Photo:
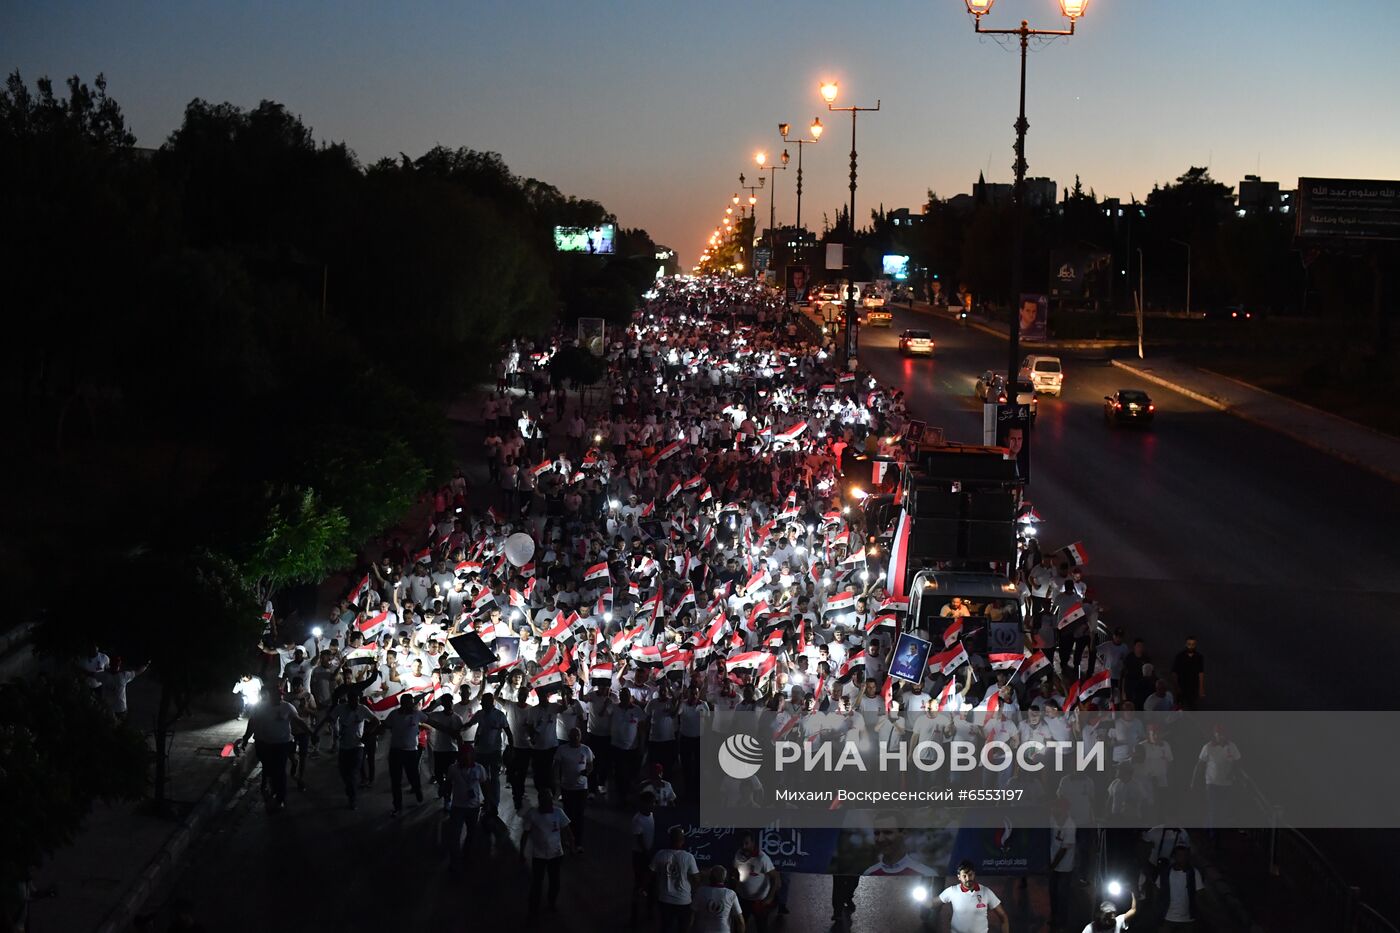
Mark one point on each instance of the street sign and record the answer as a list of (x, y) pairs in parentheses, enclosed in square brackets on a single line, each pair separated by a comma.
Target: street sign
[(761, 257)]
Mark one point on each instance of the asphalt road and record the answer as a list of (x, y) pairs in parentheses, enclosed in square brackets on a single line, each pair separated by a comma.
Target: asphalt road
[(1278, 557)]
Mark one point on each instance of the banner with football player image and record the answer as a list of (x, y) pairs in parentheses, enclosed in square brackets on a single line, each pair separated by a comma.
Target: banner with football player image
[(1013, 431)]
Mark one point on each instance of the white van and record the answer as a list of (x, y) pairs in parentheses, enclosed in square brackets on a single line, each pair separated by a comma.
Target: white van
[(1044, 373)]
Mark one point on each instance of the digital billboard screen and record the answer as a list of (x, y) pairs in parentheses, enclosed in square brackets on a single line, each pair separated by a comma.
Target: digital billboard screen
[(896, 266), (584, 239)]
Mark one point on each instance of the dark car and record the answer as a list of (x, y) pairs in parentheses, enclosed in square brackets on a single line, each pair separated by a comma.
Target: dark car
[(1128, 406)]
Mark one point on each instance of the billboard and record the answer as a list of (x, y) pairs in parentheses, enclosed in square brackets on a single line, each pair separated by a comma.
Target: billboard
[(798, 280), (895, 266), (1034, 311), (585, 239), (1013, 431), (1348, 208)]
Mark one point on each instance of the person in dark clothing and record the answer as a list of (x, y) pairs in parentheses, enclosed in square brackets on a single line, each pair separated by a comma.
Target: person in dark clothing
[(1189, 669), (1136, 684)]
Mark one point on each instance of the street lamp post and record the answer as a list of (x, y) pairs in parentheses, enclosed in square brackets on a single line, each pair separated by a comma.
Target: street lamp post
[(762, 159), (753, 216), (816, 130), (1071, 10), (829, 90)]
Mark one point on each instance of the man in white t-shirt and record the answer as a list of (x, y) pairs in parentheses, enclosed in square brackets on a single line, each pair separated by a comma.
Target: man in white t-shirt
[(971, 903), (676, 874), (547, 828), (757, 881), (716, 907), (1217, 760), (465, 778), (573, 763)]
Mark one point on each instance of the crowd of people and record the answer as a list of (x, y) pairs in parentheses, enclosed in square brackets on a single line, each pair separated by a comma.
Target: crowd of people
[(670, 546)]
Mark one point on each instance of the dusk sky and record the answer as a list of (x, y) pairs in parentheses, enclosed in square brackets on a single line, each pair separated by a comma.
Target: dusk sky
[(655, 108)]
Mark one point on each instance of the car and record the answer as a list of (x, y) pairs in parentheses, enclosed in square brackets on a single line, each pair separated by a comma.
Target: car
[(1128, 406), (1025, 395), (913, 342), (1044, 373), (876, 317), (824, 293)]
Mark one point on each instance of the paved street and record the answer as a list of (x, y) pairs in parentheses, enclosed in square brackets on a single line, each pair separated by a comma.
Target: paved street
[(1205, 524)]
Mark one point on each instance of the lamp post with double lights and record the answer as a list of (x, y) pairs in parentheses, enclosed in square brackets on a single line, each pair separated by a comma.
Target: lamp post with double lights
[(1072, 10), (765, 166), (753, 220), (829, 91), (816, 130)]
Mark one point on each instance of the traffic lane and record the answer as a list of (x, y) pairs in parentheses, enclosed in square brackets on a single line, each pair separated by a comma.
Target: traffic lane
[(317, 865), (1181, 540)]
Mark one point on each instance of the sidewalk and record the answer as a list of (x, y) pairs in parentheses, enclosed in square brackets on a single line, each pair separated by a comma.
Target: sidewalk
[(1346, 440), (999, 330)]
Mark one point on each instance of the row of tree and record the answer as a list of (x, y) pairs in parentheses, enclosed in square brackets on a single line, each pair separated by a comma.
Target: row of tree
[(231, 357)]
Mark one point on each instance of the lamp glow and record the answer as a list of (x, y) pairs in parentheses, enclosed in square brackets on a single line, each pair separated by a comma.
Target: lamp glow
[(830, 89)]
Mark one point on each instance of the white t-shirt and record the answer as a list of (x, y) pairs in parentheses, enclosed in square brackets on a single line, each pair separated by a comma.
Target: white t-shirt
[(573, 764), (623, 727), (752, 873), (466, 784), (546, 831), (1220, 762), (716, 909), (970, 907), (644, 825), (663, 721), (673, 869), (692, 719)]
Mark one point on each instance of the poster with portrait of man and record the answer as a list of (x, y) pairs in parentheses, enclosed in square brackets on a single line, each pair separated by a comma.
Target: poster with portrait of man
[(798, 280), (1013, 431), (1034, 311), (910, 658)]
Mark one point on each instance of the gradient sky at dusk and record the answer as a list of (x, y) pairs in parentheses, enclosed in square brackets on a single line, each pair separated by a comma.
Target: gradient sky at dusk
[(654, 108)]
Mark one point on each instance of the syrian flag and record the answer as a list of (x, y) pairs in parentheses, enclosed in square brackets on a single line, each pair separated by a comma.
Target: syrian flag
[(837, 602), (540, 469), (559, 629), (1009, 661), (647, 566), (517, 599), (633, 591), (549, 677), (467, 566), (831, 518), (665, 453), (1093, 684), (886, 691), (846, 377), (802, 635), (695, 482), (756, 582), (424, 556), (991, 702), (676, 660), (492, 516), (651, 606), (673, 491), (774, 639), (749, 660), (596, 572), (646, 655), (649, 509), (358, 593), (707, 540), (844, 538), (370, 627), (601, 673), (849, 666), (945, 695), (952, 633), (899, 557), (1072, 614), (760, 608), (890, 604), (1071, 696), (1033, 664), (707, 493), (605, 596), (623, 638), (484, 599), (590, 457), (1075, 554), (528, 571), (792, 433), (687, 597), (950, 660), (887, 620), (856, 557)]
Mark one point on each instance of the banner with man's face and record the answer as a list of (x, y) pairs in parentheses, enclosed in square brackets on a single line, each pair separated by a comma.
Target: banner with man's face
[(1034, 311), (1014, 433), (798, 280)]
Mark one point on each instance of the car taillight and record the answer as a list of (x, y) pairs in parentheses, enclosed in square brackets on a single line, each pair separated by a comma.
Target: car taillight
[(1151, 407), (1117, 404)]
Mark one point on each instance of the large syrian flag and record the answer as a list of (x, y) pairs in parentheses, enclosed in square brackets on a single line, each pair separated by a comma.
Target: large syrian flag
[(484, 600), (950, 660), (749, 660), (549, 677), (839, 602), (899, 557), (1074, 554), (1073, 613), (598, 571), (1033, 664), (851, 665), (372, 626)]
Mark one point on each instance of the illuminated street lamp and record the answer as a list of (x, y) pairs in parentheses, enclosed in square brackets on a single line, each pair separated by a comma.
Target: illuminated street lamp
[(761, 158), (816, 131), (829, 90), (1071, 10)]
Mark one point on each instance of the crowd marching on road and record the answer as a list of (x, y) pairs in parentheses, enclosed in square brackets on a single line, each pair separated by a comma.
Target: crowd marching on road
[(682, 547)]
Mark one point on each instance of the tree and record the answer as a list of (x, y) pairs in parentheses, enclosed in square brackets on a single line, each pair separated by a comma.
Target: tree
[(60, 753), (190, 616)]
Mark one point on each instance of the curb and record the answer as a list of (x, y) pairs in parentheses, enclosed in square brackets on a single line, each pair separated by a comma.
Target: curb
[(1305, 439), (173, 852), (1294, 401)]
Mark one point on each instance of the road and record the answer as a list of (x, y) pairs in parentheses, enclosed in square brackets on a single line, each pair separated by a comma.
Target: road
[(1277, 556)]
